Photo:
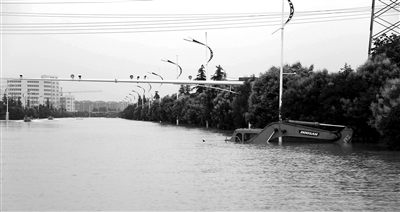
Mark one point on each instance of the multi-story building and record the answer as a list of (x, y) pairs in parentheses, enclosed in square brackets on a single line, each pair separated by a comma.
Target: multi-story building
[(67, 103), (96, 106), (35, 92)]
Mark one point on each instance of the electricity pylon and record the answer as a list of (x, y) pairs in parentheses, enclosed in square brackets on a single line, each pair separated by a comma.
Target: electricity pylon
[(387, 16)]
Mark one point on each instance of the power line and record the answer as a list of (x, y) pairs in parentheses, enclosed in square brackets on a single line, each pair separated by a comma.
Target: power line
[(192, 22), (13, 2), (118, 15)]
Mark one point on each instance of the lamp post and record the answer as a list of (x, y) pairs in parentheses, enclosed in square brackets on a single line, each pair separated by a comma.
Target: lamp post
[(207, 61), (281, 69), (138, 97), (134, 98), (144, 91), (155, 74), (207, 48), (148, 91), (129, 99), (7, 113), (180, 68)]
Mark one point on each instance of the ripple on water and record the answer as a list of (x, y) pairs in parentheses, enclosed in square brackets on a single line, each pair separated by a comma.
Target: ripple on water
[(114, 164)]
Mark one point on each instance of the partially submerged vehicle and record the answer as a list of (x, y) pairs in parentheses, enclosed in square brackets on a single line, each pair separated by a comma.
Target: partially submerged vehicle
[(294, 131)]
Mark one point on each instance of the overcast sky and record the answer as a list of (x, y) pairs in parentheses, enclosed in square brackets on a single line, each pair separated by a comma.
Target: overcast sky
[(104, 40)]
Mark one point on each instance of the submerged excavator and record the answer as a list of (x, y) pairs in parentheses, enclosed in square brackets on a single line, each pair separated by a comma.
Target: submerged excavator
[(294, 131)]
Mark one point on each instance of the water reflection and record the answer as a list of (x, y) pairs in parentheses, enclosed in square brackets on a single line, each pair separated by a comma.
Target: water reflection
[(113, 164)]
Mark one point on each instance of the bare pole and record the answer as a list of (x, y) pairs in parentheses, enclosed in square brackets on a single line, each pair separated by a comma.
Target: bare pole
[(281, 69), (206, 66), (206, 56), (7, 113), (177, 92)]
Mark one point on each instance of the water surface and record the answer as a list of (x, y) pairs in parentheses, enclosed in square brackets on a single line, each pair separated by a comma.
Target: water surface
[(115, 164)]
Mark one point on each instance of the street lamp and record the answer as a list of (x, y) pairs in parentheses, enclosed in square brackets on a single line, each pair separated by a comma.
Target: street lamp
[(148, 91), (134, 98), (144, 91), (138, 96), (180, 68), (157, 76), (7, 113), (150, 87), (129, 99), (177, 66), (207, 47), (153, 73)]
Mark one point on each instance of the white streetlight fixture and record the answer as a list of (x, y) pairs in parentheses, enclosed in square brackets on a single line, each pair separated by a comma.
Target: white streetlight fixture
[(207, 48), (138, 97), (155, 74), (144, 91), (281, 69), (180, 68)]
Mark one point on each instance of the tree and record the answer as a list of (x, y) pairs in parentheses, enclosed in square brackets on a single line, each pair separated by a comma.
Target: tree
[(222, 111), (128, 112), (219, 74), (184, 90), (389, 128), (386, 114), (201, 75), (155, 111), (388, 45), (240, 105), (263, 101), (156, 96), (193, 110), (302, 92), (166, 105), (144, 113)]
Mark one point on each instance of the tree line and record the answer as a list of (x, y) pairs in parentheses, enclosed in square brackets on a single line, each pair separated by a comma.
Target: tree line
[(366, 98), (18, 111)]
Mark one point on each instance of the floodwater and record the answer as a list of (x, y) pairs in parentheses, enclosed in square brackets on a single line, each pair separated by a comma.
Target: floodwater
[(115, 164)]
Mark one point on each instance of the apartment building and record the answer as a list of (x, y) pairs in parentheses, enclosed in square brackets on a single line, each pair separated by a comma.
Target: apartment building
[(67, 102), (101, 106), (35, 92)]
